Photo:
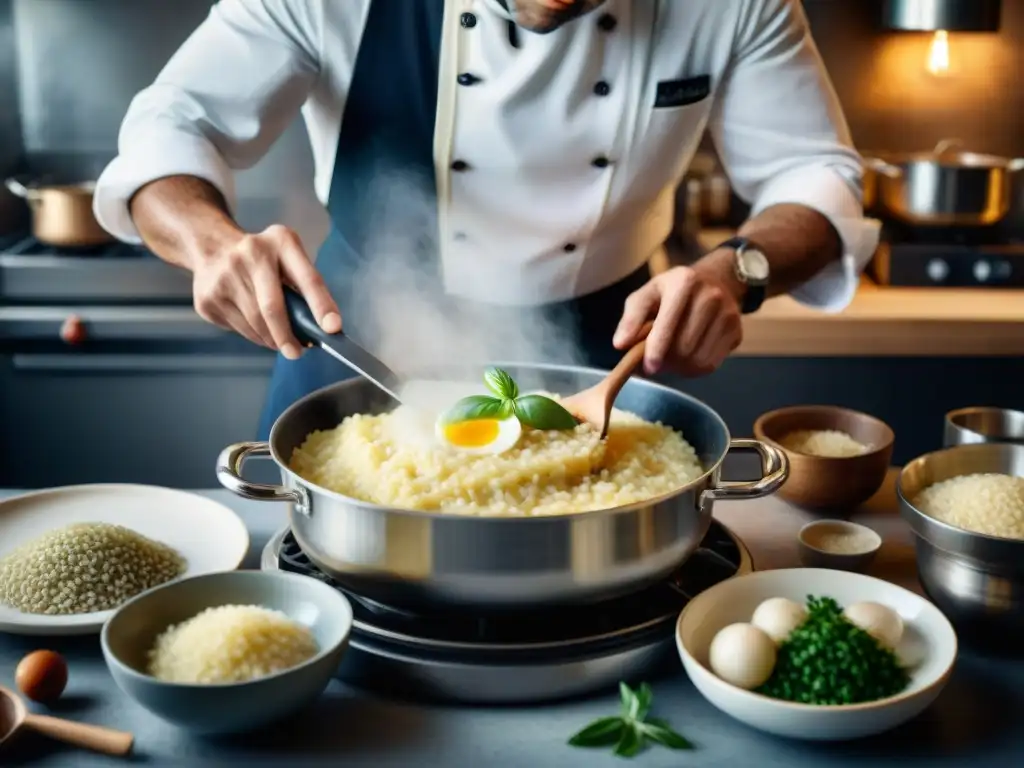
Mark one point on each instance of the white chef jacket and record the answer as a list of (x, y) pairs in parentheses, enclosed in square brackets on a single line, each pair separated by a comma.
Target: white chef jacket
[(538, 220)]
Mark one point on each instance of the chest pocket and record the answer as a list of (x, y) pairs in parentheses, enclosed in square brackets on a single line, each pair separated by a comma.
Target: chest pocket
[(676, 111)]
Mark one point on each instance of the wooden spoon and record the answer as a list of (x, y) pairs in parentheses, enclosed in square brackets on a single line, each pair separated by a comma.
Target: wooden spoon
[(14, 716), (594, 405)]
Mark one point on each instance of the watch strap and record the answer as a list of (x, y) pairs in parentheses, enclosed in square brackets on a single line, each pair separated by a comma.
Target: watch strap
[(754, 293)]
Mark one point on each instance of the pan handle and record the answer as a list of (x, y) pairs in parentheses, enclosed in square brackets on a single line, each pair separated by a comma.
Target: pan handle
[(881, 166), (946, 146), (774, 471), (20, 190), (229, 473)]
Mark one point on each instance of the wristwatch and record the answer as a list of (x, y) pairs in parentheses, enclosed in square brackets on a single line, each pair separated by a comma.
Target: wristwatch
[(752, 270)]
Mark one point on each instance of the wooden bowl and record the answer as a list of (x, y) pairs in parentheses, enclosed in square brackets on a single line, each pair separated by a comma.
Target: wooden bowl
[(825, 483)]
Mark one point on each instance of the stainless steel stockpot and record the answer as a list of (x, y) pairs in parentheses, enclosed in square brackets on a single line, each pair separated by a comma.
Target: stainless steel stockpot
[(944, 187), (976, 580), (422, 559)]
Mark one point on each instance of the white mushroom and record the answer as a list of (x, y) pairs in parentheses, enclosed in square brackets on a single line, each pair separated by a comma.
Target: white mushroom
[(742, 655), (879, 621), (778, 617)]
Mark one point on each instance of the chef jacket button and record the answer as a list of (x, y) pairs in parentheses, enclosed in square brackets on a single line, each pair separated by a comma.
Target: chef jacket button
[(601, 88), (467, 20), (607, 22), (467, 78), (460, 165), (459, 237), (569, 247), (600, 162)]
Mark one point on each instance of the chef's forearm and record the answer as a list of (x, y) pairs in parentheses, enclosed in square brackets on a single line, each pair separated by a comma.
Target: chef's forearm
[(798, 241), (182, 218)]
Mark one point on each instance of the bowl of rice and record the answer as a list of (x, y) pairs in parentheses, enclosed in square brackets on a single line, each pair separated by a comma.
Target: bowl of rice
[(966, 507), (228, 652), (838, 458)]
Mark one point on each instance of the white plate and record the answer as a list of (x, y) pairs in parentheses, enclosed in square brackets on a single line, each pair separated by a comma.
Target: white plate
[(929, 648), (208, 535)]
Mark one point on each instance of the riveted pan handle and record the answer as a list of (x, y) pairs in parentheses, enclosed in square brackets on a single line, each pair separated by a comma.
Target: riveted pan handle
[(229, 473), (774, 471)]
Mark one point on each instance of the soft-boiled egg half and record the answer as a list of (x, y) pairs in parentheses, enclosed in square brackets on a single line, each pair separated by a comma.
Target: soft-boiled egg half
[(480, 435)]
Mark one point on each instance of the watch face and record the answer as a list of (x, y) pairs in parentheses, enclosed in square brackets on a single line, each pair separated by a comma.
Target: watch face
[(754, 265)]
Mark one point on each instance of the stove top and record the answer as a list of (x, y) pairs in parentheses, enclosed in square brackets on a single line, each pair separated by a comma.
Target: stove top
[(21, 245), (953, 257), (719, 557), (542, 655)]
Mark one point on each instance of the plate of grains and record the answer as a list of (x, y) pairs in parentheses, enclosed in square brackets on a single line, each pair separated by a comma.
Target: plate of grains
[(70, 556)]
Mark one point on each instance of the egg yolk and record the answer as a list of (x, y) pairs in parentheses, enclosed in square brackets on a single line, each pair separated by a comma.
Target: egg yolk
[(471, 434)]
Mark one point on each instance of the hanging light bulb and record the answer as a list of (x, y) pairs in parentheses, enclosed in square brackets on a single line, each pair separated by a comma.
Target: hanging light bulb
[(938, 63)]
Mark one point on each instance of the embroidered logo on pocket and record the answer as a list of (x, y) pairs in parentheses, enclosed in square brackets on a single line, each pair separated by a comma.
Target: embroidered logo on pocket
[(680, 93)]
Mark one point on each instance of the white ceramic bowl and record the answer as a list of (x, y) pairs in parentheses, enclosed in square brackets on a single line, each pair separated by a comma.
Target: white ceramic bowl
[(929, 647)]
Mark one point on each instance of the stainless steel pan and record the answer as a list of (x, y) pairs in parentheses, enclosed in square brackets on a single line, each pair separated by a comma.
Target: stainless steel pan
[(944, 187), (62, 213), (416, 559)]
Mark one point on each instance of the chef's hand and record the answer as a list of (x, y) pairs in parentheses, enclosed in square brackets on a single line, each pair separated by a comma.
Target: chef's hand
[(238, 286), (696, 321)]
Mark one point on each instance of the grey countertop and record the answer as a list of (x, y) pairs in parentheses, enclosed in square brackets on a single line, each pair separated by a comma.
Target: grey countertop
[(973, 722)]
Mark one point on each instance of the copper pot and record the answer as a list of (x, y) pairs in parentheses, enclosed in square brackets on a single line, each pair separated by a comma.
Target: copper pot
[(62, 213)]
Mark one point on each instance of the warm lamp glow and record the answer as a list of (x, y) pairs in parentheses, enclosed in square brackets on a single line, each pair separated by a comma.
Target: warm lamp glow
[(938, 54)]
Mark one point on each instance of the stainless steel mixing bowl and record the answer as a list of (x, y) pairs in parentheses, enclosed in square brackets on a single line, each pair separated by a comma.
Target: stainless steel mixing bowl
[(966, 426), (423, 559), (977, 580)]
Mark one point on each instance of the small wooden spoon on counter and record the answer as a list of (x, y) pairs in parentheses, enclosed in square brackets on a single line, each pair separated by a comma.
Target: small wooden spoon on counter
[(14, 716), (594, 405)]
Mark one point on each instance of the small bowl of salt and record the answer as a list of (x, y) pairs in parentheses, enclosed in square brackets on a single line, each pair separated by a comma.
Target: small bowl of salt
[(838, 544)]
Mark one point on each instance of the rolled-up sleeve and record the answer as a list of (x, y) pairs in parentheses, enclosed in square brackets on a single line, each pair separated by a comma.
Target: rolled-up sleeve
[(219, 104), (782, 136)]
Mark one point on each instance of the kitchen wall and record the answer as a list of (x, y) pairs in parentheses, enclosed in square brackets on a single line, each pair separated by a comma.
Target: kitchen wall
[(11, 213), (79, 62), (893, 103)]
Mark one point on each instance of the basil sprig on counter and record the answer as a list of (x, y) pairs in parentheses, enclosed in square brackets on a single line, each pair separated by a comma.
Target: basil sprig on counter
[(534, 411), (630, 731)]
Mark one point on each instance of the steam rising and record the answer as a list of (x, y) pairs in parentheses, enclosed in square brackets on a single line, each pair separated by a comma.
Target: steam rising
[(405, 319)]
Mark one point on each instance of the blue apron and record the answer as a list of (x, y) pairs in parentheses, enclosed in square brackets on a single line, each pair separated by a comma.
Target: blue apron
[(388, 129)]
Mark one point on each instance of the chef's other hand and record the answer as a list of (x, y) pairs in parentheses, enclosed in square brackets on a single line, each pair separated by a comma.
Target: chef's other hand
[(696, 322), (238, 287)]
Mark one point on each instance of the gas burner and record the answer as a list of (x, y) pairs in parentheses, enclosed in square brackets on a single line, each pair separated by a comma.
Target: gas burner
[(521, 657), (30, 246)]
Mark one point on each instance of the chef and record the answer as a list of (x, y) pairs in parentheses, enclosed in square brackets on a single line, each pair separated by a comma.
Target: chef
[(549, 137)]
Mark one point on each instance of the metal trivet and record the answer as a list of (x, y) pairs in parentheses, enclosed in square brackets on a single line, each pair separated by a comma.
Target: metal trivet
[(540, 655)]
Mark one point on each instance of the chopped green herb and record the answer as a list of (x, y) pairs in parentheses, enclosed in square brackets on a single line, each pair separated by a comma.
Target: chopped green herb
[(629, 732), (827, 660), (534, 411)]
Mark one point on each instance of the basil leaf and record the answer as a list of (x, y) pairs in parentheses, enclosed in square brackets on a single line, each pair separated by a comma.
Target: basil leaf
[(630, 702), (542, 412), (631, 743), (501, 384), (600, 733), (645, 696), (477, 407), (661, 732)]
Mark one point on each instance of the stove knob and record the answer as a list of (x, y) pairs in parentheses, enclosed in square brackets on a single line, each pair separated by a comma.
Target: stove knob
[(938, 270), (982, 271), (72, 331), (1004, 270)]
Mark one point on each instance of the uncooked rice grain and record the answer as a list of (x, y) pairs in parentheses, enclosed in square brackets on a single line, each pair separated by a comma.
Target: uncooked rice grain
[(992, 504), (827, 443), (549, 472), (84, 567), (230, 644)]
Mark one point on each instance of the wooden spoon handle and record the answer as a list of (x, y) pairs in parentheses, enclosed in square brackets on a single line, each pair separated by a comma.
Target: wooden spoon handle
[(631, 360), (93, 737)]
